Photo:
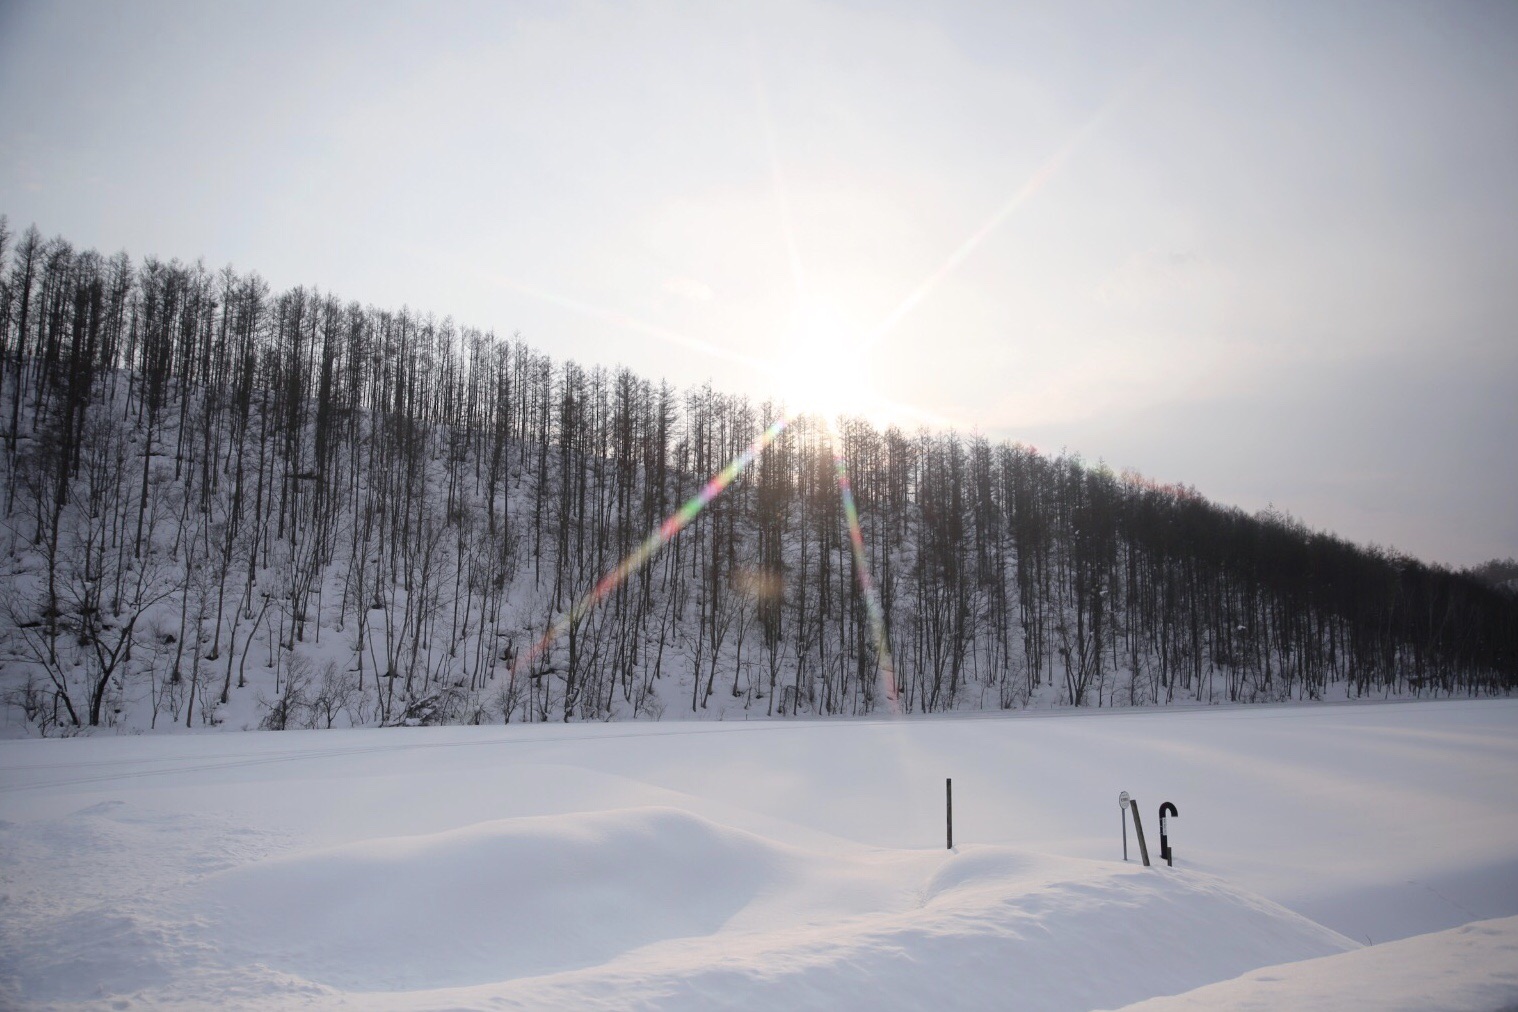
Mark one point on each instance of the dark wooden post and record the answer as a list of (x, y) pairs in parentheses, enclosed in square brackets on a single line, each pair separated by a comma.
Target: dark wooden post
[(948, 790), (1138, 827)]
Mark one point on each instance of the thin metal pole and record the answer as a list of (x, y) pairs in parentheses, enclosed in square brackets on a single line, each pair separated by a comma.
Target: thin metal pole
[(948, 788), (1124, 812)]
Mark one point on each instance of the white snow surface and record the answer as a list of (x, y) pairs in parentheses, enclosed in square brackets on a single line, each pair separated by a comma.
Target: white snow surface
[(1467, 969), (773, 864)]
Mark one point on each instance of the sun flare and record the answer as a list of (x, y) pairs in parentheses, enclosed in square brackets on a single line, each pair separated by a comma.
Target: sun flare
[(822, 366)]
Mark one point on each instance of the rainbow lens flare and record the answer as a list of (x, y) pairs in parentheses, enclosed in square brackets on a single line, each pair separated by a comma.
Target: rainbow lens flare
[(873, 611), (681, 518), (639, 557)]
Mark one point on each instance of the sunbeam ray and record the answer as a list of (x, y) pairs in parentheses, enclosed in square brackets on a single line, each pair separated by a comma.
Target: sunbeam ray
[(639, 557), (1036, 182), (873, 611), (619, 319), (777, 177)]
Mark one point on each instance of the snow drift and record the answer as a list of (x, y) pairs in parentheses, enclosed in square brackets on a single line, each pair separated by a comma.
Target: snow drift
[(658, 907), (765, 866), (1473, 968)]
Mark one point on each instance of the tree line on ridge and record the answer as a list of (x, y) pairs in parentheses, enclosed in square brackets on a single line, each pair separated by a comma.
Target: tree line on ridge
[(363, 515)]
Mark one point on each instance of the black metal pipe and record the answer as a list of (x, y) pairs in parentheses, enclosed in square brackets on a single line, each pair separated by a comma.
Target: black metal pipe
[(1167, 810), (948, 790)]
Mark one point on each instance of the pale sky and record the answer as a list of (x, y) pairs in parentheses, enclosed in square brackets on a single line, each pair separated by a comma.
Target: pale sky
[(1270, 251)]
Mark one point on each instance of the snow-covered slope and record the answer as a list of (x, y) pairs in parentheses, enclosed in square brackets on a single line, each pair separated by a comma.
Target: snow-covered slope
[(655, 906), (1473, 968), (764, 865)]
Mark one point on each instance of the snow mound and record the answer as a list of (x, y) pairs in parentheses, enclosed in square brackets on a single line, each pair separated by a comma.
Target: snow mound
[(988, 928), (1468, 969), (492, 901), (798, 870), (659, 907)]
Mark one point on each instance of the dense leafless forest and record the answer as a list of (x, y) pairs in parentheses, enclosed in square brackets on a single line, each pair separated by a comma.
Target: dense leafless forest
[(343, 514)]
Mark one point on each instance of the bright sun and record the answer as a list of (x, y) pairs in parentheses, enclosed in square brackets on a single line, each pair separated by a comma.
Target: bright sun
[(823, 369)]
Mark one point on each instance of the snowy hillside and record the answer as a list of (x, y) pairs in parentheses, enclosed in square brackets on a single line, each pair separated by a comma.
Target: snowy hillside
[(226, 507), (770, 865)]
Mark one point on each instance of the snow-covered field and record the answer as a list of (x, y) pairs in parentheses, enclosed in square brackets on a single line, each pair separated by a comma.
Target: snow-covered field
[(773, 864)]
